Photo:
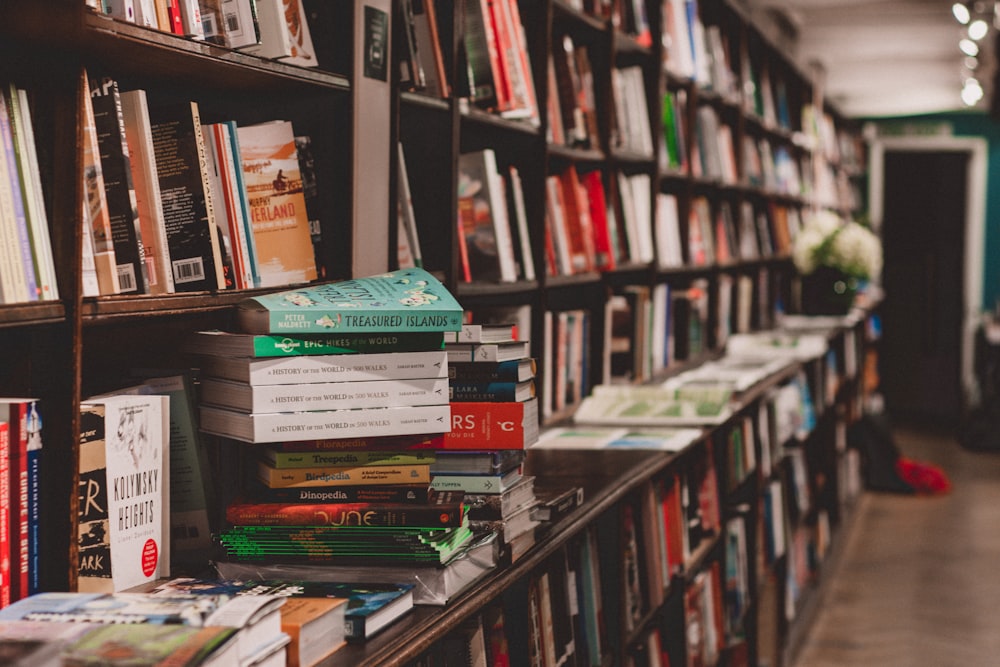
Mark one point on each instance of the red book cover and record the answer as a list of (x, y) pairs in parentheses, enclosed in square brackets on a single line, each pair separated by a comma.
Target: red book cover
[(15, 412), (5, 515), (581, 242), (504, 47), (174, 15), (604, 251), (445, 509), (492, 425)]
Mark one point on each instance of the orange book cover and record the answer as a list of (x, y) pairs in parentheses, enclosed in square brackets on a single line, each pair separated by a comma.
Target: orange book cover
[(277, 204)]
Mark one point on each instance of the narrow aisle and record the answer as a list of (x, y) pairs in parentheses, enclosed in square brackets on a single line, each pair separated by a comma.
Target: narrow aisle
[(919, 580)]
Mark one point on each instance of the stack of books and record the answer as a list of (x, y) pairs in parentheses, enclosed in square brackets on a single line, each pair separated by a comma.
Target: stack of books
[(342, 391), (494, 420)]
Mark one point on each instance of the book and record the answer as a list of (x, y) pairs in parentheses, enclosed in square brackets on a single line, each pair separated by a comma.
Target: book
[(484, 219), (504, 425), (514, 370), (182, 172), (486, 462), (229, 344), (491, 483), (149, 205), (649, 406), (242, 26), (315, 626), (488, 351), (492, 506), (227, 220), (146, 644), (284, 33), (398, 301), (491, 391), (429, 49), (23, 440), (307, 369), (14, 201), (555, 503), (483, 333), (95, 204), (407, 442), (7, 512), (324, 395), (372, 607), (273, 181), (418, 473), (611, 437), (510, 527), (292, 426), (123, 539), (119, 188), (279, 458), (381, 493), (444, 509)]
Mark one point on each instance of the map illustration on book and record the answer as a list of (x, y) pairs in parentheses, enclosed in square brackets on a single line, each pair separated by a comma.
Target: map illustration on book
[(404, 300)]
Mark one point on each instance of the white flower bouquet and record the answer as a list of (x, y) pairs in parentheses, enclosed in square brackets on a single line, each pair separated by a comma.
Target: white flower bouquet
[(826, 240)]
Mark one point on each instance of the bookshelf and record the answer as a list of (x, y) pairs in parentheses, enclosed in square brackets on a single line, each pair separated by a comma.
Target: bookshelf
[(766, 172)]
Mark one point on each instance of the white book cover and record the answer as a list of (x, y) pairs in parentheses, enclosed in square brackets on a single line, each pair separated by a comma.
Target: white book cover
[(136, 479)]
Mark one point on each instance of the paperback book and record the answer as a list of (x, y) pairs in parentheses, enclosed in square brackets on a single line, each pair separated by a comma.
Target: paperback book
[(443, 509), (277, 457), (500, 424), (343, 475), (226, 344), (399, 301), (517, 370)]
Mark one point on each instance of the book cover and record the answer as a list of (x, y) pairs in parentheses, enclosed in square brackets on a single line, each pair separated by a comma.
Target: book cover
[(20, 433), (142, 161), (372, 607), (179, 151), (230, 249), (315, 626), (492, 506), (6, 517), (382, 493), (484, 462), (444, 509), (491, 483), (242, 26), (307, 369), (124, 471), (119, 188), (484, 333), (418, 473), (484, 218), (325, 395), (407, 442), (504, 425), (514, 370), (291, 426), (278, 212), (145, 644), (404, 300)]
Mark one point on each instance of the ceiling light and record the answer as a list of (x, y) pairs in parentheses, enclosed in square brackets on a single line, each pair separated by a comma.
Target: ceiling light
[(969, 47), (961, 12), (971, 63), (978, 29), (972, 92)]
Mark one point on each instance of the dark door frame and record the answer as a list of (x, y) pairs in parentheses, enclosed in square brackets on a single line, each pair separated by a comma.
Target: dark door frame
[(975, 229)]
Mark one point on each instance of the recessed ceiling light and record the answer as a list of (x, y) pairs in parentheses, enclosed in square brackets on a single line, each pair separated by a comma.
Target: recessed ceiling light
[(968, 47), (978, 29), (961, 12)]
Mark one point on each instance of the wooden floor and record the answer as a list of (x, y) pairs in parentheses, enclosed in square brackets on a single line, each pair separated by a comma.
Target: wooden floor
[(919, 580)]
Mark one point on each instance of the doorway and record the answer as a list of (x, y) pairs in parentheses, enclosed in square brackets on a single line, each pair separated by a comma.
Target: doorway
[(928, 203)]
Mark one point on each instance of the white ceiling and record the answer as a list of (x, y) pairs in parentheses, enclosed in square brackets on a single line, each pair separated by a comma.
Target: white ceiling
[(882, 57)]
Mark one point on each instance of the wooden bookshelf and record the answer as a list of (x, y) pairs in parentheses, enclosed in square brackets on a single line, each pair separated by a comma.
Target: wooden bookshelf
[(67, 350)]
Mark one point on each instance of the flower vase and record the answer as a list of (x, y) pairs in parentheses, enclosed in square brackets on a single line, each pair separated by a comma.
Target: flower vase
[(828, 291)]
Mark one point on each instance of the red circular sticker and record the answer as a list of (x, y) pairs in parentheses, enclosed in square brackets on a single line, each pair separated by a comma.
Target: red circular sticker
[(150, 554)]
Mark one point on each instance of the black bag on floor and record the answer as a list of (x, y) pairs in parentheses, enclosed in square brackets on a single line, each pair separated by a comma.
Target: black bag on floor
[(872, 436)]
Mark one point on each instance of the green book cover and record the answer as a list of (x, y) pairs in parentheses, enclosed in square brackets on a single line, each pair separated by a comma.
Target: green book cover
[(403, 300), (224, 343)]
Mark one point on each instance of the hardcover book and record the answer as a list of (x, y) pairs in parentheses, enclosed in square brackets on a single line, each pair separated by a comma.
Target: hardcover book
[(418, 473), (328, 368), (515, 370), (279, 458), (411, 494), (124, 492), (277, 204), (292, 426), (458, 352), (325, 395), (493, 483), (491, 391), (500, 425), (399, 301)]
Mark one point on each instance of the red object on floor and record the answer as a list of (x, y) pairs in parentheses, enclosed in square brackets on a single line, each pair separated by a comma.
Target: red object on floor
[(925, 478)]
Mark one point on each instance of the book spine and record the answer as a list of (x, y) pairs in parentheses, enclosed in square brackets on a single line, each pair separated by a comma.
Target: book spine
[(473, 483), (283, 346), (345, 514), (31, 190), (330, 368), (504, 425), (326, 395), (119, 189), (94, 563), (343, 475), (502, 371), (486, 391), (242, 200), (416, 494), (18, 443), (16, 237), (285, 459), (34, 519)]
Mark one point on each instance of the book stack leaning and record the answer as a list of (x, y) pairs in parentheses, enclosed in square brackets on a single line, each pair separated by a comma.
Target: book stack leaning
[(336, 398), (494, 414)]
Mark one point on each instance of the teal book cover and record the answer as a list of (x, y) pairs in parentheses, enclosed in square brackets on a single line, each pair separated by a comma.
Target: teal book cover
[(404, 300)]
